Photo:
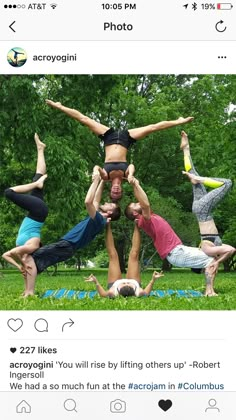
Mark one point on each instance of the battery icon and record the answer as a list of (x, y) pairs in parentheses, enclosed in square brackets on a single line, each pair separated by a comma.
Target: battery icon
[(224, 6)]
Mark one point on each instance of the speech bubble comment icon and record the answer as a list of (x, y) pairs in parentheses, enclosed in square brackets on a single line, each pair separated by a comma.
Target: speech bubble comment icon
[(15, 324), (41, 325)]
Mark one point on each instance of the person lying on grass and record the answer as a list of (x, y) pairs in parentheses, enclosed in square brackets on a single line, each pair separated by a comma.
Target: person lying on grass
[(117, 143), (204, 203), (28, 238), (78, 237), (165, 240), (131, 285)]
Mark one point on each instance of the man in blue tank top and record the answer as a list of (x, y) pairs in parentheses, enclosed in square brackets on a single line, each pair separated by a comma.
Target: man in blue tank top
[(78, 237)]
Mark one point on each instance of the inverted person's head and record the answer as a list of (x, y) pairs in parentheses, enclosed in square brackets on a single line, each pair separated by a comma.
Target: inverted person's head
[(110, 210), (116, 192), (116, 189), (133, 210)]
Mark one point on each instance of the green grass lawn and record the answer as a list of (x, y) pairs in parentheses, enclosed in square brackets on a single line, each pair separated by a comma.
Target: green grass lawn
[(11, 287)]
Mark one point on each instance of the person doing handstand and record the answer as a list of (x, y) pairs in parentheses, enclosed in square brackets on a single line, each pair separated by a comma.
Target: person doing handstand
[(78, 237), (117, 143), (131, 285), (28, 238), (204, 203), (166, 241)]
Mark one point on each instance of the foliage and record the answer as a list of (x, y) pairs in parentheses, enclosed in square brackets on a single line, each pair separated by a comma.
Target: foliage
[(119, 101), (12, 286)]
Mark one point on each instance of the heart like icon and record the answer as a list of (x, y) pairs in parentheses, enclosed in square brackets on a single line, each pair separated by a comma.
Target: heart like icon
[(13, 349), (165, 404), (15, 324)]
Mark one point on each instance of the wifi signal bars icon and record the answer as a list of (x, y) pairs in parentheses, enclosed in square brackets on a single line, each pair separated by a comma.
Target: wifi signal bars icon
[(53, 5)]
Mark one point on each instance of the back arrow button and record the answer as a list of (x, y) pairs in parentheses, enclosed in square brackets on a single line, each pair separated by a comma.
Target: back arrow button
[(10, 26)]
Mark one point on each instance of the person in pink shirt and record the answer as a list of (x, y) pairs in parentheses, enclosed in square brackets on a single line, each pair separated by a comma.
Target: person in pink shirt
[(165, 240)]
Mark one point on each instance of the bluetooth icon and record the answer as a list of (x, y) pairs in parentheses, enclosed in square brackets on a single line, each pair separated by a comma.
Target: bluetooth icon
[(194, 6)]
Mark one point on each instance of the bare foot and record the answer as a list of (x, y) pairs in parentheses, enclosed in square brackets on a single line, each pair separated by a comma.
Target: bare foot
[(26, 294), (40, 145), (184, 141), (56, 105), (191, 177), (40, 182), (210, 293), (182, 120)]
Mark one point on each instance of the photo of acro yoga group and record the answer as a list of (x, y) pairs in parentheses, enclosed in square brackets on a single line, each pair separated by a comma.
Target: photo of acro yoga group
[(117, 192)]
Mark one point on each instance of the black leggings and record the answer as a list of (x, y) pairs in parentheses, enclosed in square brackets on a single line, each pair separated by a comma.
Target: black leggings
[(32, 202)]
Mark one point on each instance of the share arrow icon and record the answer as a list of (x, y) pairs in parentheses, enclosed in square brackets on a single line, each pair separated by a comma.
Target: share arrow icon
[(69, 324)]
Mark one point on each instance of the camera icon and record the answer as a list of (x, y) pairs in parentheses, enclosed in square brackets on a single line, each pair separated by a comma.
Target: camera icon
[(118, 406)]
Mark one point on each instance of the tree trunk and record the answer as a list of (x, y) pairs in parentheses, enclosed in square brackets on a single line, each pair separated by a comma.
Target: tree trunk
[(229, 264), (166, 266), (78, 262)]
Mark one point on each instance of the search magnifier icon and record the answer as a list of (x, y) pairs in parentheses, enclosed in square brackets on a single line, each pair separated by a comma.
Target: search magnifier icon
[(70, 405)]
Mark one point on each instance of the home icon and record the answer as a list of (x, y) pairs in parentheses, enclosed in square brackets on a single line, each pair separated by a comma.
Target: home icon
[(23, 407)]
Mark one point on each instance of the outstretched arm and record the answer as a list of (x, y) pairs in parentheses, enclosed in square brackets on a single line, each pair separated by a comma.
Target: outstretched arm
[(98, 195), (102, 292), (9, 258), (101, 171), (142, 198), (89, 200), (129, 173), (17, 261), (93, 125), (150, 285)]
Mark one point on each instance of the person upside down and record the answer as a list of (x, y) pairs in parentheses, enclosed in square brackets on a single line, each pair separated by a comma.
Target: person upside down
[(117, 143)]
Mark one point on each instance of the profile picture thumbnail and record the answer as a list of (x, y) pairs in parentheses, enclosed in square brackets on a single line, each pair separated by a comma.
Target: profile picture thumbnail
[(17, 57)]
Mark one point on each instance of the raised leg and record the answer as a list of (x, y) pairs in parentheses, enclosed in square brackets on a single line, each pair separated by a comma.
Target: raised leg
[(36, 207), (22, 189), (114, 272), (41, 164), (133, 263), (210, 200), (93, 125), (198, 189), (141, 132)]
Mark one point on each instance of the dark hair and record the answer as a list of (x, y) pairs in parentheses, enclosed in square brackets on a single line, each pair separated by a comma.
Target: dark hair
[(127, 291), (196, 270), (129, 213), (116, 213)]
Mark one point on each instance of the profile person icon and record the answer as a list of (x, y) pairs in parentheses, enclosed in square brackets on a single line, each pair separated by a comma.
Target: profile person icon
[(212, 406)]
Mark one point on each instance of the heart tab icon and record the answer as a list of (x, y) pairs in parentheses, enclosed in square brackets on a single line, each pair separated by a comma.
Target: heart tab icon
[(165, 404), (15, 324)]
